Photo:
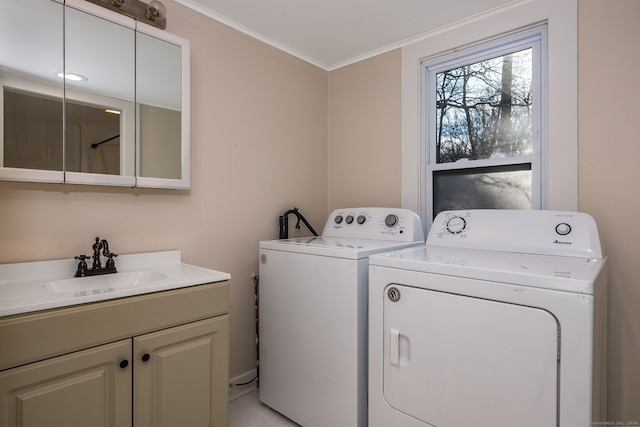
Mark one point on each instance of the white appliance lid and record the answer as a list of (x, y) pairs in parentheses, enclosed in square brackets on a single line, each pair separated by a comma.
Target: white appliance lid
[(356, 233), (337, 247), (560, 273)]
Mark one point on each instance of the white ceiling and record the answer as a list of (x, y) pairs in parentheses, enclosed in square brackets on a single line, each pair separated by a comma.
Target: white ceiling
[(334, 33)]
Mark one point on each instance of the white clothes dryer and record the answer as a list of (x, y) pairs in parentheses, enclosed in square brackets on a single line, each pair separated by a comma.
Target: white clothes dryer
[(499, 320), (313, 314)]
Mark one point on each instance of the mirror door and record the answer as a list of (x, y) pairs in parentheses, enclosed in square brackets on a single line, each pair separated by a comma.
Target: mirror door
[(31, 107), (100, 111), (162, 100)]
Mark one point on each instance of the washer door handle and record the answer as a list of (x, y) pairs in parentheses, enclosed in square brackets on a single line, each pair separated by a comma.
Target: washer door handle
[(394, 346)]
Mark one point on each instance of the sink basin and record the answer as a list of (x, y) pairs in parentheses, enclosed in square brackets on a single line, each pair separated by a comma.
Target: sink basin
[(20, 289), (32, 286), (107, 282)]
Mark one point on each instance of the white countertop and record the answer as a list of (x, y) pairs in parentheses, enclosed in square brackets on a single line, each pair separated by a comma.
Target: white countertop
[(32, 286)]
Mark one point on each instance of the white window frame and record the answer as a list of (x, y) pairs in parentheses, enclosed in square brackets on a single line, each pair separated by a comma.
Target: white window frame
[(511, 17), (536, 40)]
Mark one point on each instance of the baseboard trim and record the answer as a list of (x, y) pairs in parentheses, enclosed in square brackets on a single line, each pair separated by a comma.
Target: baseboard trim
[(237, 386)]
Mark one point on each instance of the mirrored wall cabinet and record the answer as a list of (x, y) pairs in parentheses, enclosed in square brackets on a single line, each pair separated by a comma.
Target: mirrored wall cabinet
[(90, 96)]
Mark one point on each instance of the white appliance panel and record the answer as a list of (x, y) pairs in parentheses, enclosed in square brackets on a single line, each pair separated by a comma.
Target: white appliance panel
[(393, 224), (560, 273), (582, 373), (453, 360), (572, 234), (313, 314), (494, 295), (338, 247), (315, 317)]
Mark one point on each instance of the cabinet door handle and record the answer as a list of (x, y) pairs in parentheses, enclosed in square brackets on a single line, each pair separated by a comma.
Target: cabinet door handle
[(145, 357), (124, 363)]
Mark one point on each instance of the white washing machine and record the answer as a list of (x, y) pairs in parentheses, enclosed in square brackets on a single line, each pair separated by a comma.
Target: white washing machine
[(499, 320), (313, 314)]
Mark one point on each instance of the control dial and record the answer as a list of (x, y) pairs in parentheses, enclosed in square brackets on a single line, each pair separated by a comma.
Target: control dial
[(391, 220), (361, 219), (456, 225), (563, 229), (349, 219), (338, 219)]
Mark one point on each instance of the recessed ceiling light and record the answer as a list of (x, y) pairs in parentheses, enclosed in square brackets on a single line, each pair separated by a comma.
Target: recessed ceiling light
[(72, 77)]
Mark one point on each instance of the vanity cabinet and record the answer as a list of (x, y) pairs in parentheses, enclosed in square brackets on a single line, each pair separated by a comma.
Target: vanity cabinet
[(148, 360)]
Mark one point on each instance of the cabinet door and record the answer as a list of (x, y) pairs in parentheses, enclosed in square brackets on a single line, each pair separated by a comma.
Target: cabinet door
[(181, 375), (85, 388)]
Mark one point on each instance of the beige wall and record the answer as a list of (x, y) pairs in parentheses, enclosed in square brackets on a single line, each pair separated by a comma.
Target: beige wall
[(608, 153), (364, 133), (259, 132)]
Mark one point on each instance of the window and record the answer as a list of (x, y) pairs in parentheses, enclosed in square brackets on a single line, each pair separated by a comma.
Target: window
[(483, 136)]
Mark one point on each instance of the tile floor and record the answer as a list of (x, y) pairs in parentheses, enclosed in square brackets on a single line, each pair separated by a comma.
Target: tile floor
[(247, 411)]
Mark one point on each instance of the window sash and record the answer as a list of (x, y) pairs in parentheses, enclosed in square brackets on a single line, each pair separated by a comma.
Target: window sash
[(534, 160), (534, 39)]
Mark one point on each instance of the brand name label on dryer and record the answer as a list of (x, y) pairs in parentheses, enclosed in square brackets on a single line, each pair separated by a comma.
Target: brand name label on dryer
[(560, 242)]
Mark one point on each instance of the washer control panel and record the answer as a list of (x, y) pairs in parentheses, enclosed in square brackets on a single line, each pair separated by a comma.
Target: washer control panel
[(338, 219), (535, 231), (401, 225)]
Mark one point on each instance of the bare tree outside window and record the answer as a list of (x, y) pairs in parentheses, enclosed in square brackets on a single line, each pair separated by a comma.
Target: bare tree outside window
[(484, 133), (484, 110)]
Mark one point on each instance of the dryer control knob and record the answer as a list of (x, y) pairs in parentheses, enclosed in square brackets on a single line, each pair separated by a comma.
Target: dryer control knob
[(391, 220), (361, 219), (349, 219), (338, 219), (563, 229), (456, 225)]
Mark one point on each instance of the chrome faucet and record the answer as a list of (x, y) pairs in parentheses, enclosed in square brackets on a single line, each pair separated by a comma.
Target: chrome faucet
[(110, 266)]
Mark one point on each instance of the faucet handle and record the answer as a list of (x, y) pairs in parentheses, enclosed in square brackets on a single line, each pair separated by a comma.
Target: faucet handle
[(82, 265), (82, 258), (110, 263)]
